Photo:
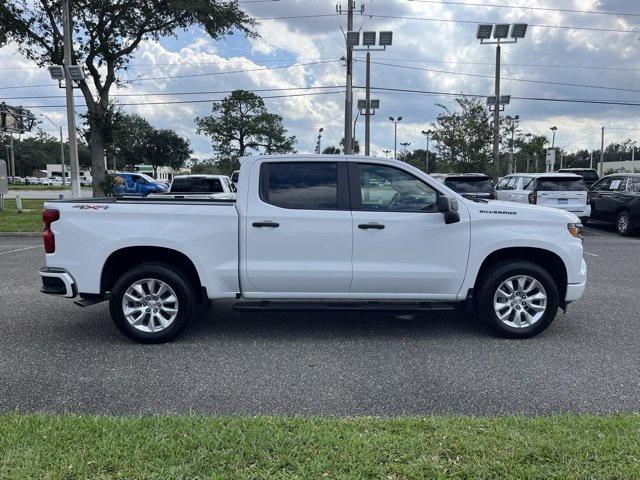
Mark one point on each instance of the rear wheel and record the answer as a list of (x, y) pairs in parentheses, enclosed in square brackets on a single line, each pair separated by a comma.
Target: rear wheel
[(623, 224), (152, 303), (518, 299)]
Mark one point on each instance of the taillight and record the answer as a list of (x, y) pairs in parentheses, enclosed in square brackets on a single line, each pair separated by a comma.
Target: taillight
[(588, 198), (48, 217), (533, 198)]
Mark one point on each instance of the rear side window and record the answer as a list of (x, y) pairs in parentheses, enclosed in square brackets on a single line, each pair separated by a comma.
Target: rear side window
[(300, 185), (196, 185), (560, 184), (469, 185)]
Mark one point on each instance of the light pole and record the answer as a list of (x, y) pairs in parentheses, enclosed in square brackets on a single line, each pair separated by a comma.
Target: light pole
[(427, 133), (553, 140), (369, 41), (500, 34), (386, 153), (528, 137), (59, 127), (513, 121), (395, 134)]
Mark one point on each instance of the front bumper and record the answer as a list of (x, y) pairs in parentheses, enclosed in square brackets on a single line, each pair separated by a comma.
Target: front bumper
[(57, 281), (576, 290)]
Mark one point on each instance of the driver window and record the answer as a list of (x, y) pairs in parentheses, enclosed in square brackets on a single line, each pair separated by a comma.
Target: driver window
[(392, 190)]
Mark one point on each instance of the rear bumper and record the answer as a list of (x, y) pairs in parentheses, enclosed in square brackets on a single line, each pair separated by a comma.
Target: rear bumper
[(57, 281), (578, 210)]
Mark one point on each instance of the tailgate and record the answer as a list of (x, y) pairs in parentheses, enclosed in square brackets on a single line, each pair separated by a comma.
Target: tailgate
[(560, 199)]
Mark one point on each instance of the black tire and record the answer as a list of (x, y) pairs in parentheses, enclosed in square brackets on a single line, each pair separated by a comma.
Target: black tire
[(175, 279), (624, 225), (489, 285), (584, 220)]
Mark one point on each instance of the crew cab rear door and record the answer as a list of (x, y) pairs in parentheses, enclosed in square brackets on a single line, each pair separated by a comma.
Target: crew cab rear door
[(298, 230), (402, 248)]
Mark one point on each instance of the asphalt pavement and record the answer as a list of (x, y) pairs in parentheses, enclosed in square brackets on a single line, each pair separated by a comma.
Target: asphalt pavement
[(57, 357)]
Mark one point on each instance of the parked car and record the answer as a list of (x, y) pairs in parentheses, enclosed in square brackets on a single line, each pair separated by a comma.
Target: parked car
[(234, 176), (314, 232), (202, 184), (565, 191), (589, 175), (129, 183), (616, 199), (474, 186)]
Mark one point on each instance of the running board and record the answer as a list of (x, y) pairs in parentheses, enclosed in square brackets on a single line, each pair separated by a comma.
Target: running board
[(283, 306)]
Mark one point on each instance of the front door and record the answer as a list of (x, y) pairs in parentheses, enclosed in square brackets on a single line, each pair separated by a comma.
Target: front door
[(402, 249), (298, 231)]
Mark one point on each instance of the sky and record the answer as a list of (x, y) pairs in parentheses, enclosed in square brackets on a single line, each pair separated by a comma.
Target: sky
[(434, 49)]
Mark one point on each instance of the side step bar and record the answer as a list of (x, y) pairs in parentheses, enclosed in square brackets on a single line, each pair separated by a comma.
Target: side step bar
[(284, 306)]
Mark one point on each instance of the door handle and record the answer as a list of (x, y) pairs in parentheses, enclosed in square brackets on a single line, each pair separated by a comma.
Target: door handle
[(375, 226), (267, 223)]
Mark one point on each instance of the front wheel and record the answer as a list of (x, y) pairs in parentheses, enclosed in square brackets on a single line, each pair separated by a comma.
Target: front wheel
[(623, 224), (518, 299), (152, 303)]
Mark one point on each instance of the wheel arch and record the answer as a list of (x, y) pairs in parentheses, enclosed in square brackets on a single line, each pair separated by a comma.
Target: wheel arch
[(546, 259), (126, 258)]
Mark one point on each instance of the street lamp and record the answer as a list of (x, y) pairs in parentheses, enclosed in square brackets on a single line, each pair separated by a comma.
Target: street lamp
[(500, 35), (386, 153), (59, 127), (427, 133), (395, 134), (553, 141)]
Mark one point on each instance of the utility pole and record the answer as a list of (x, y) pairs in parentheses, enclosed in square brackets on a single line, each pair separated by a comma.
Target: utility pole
[(591, 161), (602, 153), (348, 99), (13, 162), (71, 114), (367, 118)]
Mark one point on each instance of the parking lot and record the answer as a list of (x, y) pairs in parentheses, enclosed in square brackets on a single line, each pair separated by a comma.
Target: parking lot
[(57, 357)]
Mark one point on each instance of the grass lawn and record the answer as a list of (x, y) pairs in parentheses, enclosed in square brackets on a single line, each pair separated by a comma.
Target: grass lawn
[(196, 447), (30, 220)]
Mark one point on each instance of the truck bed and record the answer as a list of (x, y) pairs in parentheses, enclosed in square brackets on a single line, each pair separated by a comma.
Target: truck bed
[(90, 230)]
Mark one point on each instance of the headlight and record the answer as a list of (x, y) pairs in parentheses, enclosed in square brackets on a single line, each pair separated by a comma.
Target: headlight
[(575, 229)]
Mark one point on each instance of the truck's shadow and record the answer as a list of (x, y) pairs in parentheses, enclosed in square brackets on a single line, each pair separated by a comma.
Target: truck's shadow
[(222, 320)]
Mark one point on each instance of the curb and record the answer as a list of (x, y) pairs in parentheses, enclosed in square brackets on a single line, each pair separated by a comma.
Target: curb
[(20, 234)]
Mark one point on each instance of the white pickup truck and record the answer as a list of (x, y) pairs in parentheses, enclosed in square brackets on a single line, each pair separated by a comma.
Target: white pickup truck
[(315, 232)]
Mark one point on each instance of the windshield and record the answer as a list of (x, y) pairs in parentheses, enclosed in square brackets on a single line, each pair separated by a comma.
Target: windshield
[(469, 185), (560, 184)]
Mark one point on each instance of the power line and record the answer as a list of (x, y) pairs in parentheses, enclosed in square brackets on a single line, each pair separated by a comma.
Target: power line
[(209, 100), (163, 94), (142, 79), (475, 22), (531, 65), (581, 138), (477, 75), (525, 7), (513, 97)]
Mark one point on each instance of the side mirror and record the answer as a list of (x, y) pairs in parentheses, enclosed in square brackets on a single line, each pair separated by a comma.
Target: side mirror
[(449, 208)]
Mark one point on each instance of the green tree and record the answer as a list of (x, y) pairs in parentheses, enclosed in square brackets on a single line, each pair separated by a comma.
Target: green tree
[(356, 145), (241, 125), (331, 150), (130, 140), (463, 137), (165, 148), (106, 34)]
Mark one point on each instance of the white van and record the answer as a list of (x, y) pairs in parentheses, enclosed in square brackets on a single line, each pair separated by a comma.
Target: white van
[(565, 191)]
